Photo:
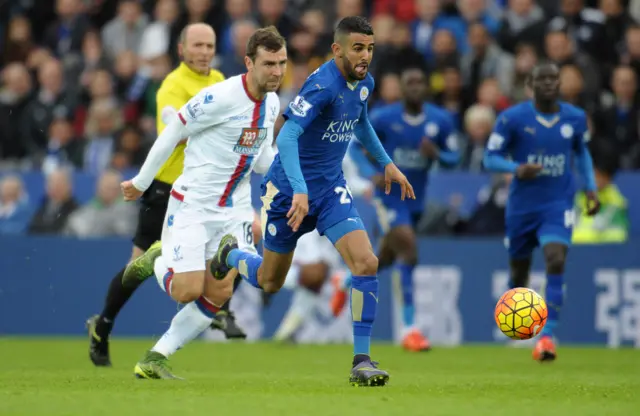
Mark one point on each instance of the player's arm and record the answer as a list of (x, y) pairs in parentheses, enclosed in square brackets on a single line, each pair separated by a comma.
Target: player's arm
[(299, 115), (264, 160), (367, 136), (448, 150), (198, 114), (495, 155), (584, 165), (364, 167)]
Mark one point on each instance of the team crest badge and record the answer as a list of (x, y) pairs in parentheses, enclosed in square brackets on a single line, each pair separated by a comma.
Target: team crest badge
[(431, 130), (364, 93), (566, 131), (272, 230)]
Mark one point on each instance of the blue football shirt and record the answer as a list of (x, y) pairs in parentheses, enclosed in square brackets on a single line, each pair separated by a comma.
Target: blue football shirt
[(550, 140), (328, 109)]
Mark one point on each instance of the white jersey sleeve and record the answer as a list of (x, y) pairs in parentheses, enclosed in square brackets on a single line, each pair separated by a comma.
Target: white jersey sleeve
[(205, 110)]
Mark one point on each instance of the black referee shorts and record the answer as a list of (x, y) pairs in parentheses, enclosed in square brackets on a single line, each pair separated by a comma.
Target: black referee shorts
[(153, 207)]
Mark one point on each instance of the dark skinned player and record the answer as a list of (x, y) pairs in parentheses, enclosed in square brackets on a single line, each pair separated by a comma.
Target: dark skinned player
[(544, 137)]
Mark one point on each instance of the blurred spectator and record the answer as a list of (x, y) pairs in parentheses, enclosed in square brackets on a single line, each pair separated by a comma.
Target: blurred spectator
[(431, 20), (560, 49), (64, 150), (585, 28), (236, 10), (616, 121), (56, 207), (476, 11), (66, 33), (14, 98), (611, 224), (124, 32), (107, 214), (486, 60), (130, 142), (209, 11), (51, 101), (478, 124), (14, 206), (103, 122), (525, 60), (402, 10), (19, 42), (488, 217), (156, 36), (453, 96), (272, 12), (572, 86), (233, 63), (617, 21), (523, 22)]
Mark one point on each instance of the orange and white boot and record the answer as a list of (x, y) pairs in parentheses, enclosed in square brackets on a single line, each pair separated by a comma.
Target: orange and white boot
[(545, 350), (339, 298), (416, 342)]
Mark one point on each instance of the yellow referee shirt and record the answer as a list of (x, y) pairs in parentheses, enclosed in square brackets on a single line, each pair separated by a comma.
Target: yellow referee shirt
[(176, 89)]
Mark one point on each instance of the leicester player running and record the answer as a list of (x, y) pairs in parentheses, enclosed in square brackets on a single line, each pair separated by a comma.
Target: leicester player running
[(415, 134), (305, 188), (196, 46), (542, 138)]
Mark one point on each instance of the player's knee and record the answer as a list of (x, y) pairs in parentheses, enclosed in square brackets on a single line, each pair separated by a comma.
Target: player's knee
[(365, 265), (257, 232), (555, 260), (186, 290), (272, 286)]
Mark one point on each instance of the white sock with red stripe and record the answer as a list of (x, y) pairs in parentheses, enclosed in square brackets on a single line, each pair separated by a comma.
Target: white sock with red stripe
[(188, 323)]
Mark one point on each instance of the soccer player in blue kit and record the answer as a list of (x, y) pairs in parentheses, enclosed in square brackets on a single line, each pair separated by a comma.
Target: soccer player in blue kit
[(542, 137), (415, 134), (305, 188)]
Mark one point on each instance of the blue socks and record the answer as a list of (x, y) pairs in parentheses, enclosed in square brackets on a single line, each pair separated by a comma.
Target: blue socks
[(554, 297), (406, 282), (247, 265), (364, 302)]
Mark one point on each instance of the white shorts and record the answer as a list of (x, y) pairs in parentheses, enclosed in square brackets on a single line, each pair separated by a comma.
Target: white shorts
[(191, 234)]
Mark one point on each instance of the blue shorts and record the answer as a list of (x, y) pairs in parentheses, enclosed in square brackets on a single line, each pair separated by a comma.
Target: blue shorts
[(333, 215), (526, 232), (392, 213)]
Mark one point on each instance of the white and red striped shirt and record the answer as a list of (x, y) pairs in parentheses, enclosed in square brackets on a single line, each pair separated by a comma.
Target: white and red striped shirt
[(229, 133)]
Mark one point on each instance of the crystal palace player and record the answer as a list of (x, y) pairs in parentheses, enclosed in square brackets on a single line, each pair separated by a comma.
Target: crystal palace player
[(415, 134), (230, 129), (542, 137), (305, 188)]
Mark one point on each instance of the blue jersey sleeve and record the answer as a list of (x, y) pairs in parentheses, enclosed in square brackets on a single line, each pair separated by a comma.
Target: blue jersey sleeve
[(367, 136), (495, 157), (310, 102), (447, 142), (584, 163)]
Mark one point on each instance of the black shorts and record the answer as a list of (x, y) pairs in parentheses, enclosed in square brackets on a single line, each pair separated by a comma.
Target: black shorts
[(153, 207)]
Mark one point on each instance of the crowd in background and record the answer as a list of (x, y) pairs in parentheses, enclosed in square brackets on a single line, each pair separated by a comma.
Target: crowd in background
[(79, 77)]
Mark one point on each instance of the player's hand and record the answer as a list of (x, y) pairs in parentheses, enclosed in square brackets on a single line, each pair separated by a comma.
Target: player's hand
[(299, 210), (528, 170), (429, 149), (593, 203), (393, 174), (130, 192)]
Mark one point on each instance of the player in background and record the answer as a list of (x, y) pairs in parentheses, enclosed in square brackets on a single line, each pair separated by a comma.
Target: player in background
[(314, 260), (415, 134), (230, 132), (537, 141), (196, 46), (305, 188)]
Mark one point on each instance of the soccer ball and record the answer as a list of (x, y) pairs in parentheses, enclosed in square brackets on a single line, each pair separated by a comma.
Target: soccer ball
[(521, 313)]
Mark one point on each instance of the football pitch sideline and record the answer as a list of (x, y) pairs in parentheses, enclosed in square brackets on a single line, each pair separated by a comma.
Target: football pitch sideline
[(55, 377)]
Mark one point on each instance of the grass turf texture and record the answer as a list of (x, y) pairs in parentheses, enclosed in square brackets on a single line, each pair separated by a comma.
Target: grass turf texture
[(54, 377)]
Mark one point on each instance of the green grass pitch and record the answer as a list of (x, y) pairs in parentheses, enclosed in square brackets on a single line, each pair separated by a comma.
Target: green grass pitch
[(54, 377)]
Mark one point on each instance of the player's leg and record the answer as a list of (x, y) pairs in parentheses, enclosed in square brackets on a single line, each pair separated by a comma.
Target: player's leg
[(554, 235), (403, 239), (269, 271), (306, 277), (150, 221)]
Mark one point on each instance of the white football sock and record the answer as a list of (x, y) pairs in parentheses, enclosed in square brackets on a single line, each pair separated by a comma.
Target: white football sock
[(302, 306), (188, 323)]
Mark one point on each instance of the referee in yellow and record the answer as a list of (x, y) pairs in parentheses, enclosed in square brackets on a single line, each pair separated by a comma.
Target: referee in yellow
[(196, 48)]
